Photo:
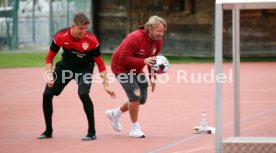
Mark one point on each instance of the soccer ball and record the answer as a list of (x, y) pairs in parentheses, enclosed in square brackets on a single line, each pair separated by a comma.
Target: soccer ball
[(161, 65)]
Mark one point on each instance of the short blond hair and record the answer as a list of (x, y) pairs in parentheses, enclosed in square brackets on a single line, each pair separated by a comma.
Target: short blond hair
[(154, 21), (81, 18)]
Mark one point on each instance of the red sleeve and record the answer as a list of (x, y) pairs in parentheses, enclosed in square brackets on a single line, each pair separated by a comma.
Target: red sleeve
[(50, 56), (129, 48), (100, 63)]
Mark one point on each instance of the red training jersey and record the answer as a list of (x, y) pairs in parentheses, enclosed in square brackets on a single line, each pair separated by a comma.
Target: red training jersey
[(75, 51), (132, 51)]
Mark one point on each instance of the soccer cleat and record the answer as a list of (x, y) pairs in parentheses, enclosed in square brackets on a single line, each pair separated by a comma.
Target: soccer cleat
[(115, 120), (89, 137), (136, 132), (45, 135)]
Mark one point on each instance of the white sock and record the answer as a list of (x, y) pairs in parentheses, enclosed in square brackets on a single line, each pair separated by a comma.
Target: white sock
[(117, 111), (135, 124)]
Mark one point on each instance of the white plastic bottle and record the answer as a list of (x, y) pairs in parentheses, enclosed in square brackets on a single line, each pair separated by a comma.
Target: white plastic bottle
[(203, 123)]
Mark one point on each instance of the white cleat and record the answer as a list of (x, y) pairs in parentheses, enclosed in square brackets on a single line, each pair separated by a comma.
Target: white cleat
[(136, 132), (115, 120)]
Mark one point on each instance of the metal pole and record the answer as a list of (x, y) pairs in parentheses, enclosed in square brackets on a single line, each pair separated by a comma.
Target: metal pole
[(8, 28), (236, 68), (51, 27), (218, 70), (92, 15), (33, 20), (14, 38), (67, 14)]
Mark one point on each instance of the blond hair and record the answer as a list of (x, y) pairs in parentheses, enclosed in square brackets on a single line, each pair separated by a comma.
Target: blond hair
[(81, 18), (154, 21)]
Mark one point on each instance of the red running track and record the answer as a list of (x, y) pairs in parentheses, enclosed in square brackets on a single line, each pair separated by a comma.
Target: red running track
[(166, 119)]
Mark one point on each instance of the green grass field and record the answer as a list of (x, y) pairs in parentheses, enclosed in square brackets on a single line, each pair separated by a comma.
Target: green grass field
[(11, 60), (37, 59), (32, 59)]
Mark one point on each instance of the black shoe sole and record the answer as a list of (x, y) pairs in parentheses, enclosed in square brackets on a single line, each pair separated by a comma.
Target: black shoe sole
[(143, 136), (89, 138), (43, 136)]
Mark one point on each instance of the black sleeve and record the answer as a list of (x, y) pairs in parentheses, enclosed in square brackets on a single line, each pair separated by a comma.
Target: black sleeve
[(54, 47), (95, 52)]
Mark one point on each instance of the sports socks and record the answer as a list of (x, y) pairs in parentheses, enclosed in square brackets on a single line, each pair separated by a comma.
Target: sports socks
[(117, 112), (89, 111), (135, 124)]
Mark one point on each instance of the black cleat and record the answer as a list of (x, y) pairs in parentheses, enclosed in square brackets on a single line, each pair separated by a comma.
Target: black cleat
[(89, 137), (45, 135)]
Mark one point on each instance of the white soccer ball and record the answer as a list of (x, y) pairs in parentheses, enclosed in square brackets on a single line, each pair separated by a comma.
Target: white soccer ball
[(161, 64)]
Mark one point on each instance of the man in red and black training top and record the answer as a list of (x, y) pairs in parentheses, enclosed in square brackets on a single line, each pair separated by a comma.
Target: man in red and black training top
[(138, 49), (80, 52)]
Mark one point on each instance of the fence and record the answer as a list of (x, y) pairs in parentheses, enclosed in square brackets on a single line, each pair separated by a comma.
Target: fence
[(38, 20)]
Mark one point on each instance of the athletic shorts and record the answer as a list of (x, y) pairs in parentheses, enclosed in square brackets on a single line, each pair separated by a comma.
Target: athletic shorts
[(135, 86)]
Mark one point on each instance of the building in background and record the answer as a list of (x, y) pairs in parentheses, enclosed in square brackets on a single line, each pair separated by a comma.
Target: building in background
[(190, 24)]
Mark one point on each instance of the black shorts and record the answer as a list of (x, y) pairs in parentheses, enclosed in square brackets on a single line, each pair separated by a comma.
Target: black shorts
[(135, 86), (65, 72)]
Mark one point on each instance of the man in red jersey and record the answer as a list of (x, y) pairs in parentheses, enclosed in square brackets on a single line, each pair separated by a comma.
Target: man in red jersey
[(138, 49), (80, 52)]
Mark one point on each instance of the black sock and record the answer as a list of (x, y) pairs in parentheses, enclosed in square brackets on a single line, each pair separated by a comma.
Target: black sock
[(89, 111)]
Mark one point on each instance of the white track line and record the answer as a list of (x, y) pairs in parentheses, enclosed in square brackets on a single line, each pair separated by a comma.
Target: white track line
[(196, 149), (192, 137), (73, 147)]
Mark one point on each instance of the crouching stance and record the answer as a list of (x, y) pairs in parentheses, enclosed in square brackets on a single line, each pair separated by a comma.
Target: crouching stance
[(80, 52), (136, 51)]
